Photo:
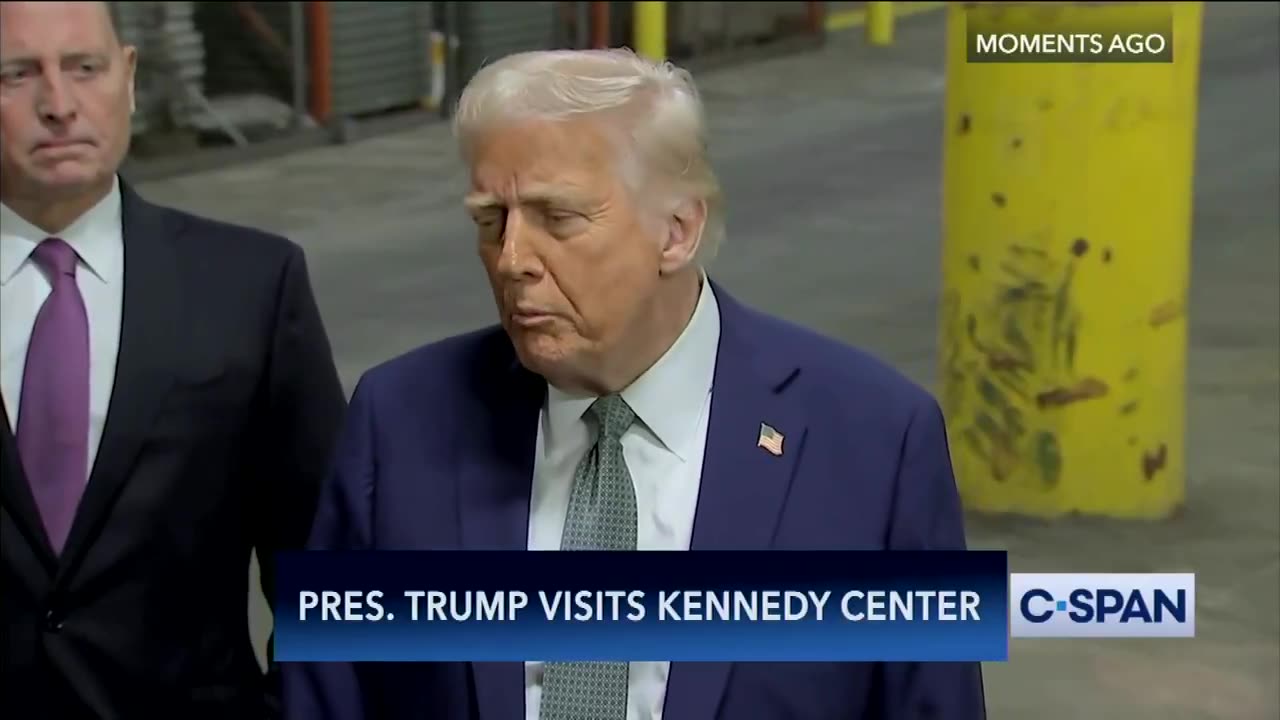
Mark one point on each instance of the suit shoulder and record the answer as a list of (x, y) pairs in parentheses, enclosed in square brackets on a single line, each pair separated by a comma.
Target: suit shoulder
[(234, 242), (844, 373), (443, 365)]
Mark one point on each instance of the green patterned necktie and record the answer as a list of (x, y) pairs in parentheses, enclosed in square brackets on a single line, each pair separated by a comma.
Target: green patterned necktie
[(602, 516)]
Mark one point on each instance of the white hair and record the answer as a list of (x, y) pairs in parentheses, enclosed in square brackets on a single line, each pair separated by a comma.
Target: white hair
[(657, 108)]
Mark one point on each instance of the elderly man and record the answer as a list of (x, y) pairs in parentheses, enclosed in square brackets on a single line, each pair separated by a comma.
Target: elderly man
[(169, 405), (618, 406)]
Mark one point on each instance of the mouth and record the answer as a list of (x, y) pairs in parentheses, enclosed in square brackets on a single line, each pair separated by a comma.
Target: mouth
[(531, 317), (56, 145)]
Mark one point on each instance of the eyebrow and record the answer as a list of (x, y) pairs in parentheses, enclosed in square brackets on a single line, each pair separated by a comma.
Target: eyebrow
[(537, 195), (482, 201), (80, 56)]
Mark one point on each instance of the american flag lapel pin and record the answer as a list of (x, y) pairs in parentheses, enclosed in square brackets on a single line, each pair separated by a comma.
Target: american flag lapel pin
[(770, 440)]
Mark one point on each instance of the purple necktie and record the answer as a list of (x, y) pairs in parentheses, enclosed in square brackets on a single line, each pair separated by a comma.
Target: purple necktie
[(53, 415)]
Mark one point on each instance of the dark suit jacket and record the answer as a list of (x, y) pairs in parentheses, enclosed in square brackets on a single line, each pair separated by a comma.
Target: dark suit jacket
[(225, 405), (438, 453)]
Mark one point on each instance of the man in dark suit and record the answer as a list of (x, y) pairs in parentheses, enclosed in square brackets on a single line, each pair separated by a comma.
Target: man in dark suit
[(170, 401), (620, 405)]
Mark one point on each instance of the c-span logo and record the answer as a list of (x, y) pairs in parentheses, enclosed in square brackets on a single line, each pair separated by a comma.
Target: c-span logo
[(1102, 605)]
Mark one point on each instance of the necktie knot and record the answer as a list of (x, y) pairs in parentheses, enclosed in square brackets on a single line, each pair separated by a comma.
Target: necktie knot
[(614, 416), (56, 257)]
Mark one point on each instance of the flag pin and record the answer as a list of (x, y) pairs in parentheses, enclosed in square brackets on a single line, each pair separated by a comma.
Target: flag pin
[(770, 440)]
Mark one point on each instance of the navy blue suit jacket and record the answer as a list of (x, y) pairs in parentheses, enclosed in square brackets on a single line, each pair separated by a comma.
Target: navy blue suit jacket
[(438, 453)]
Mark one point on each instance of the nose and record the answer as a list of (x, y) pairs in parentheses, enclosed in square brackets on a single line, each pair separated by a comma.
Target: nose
[(57, 102), (519, 258)]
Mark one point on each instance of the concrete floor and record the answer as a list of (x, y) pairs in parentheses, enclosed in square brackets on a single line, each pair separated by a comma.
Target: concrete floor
[(831, 161)]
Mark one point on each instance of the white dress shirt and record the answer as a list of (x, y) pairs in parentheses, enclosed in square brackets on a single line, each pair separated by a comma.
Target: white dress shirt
[(663, 450), (98, 239)]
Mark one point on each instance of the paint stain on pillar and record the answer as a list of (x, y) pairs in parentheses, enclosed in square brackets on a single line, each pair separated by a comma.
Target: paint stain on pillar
[(1086, 389), (964, 125), (1079, 247), (1165, 312), (999, 199), (1154, 462), (1048, 458)]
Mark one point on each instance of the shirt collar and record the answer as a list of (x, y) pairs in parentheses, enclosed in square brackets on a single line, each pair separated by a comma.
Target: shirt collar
[(670, 396), (95, 236)]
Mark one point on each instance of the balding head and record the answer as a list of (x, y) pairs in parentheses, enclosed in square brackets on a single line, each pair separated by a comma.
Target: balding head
[(66, 96)]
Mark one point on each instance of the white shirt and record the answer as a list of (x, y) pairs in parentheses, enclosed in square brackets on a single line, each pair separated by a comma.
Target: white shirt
[(663, 450), (98, 239)]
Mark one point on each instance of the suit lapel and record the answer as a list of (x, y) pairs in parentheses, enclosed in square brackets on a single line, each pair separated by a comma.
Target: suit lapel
[(16, 495), (496, 461), (149, 324), (744, 486)]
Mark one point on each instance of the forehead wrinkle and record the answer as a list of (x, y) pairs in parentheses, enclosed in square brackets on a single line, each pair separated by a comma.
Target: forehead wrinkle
[(531, 192), (543, 192)]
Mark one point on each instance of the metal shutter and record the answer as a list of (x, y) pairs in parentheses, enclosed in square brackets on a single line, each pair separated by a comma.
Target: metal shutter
[(490, 30), (379, 55)]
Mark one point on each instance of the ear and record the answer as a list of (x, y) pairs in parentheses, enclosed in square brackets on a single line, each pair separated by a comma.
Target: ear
[(684, 235), (130, 68)]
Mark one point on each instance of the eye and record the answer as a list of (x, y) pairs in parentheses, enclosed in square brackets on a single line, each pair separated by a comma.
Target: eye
[(562, 221), (10, 75), (489, 219), (490, 224)]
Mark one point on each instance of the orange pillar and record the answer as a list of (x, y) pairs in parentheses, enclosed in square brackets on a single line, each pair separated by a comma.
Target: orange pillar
[(600, 25), (321, 74)]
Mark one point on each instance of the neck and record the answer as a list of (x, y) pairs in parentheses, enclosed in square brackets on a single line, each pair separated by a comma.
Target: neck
[(660, 328), (55, 215)]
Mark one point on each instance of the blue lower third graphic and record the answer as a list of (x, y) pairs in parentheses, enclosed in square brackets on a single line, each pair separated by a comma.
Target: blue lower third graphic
[(677, 606)]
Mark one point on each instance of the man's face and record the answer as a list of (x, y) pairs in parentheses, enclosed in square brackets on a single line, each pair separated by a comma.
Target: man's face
[(573, 261), (66, 95)]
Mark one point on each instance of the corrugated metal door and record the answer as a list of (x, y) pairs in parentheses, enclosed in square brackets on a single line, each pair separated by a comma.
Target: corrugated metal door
[(379, 55), (490, 30)]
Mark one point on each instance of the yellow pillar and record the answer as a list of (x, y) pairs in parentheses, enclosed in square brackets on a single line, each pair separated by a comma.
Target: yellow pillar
[(1067, 222), (650, 20), (880, 23)]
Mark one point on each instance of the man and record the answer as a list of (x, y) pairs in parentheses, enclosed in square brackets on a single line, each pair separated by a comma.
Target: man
[(618, 406), (169, 405)]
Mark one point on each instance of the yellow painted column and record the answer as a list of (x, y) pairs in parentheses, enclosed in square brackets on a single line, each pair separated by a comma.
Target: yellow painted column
[(650, 21), (1066, 259), (880, 23)]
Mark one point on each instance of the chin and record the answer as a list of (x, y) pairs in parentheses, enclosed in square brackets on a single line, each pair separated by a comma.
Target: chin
[(540, 353), (69, 175)]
